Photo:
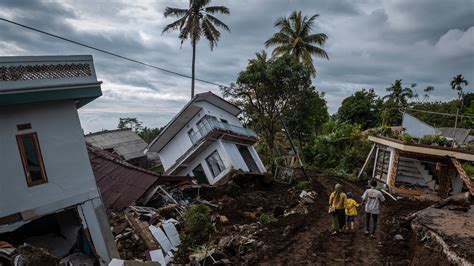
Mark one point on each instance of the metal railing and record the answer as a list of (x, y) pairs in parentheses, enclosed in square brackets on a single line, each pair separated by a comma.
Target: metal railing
[(207, 125)]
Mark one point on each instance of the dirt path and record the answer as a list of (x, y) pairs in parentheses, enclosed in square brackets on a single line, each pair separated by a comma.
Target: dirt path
[(314, 244)]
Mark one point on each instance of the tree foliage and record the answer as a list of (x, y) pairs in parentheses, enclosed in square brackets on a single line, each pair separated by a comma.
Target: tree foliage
[(362, 108), (342, 146), (295, 38), (146, 133), (129, 122), (270, 88), (195, 22)]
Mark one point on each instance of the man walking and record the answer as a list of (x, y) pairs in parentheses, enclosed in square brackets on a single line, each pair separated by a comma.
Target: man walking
[(372, 198)]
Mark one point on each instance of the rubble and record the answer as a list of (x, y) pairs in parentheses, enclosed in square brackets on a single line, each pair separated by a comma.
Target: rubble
[(298, 231)]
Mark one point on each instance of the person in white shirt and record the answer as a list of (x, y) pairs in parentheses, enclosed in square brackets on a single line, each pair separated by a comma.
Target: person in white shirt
[(372, 198)]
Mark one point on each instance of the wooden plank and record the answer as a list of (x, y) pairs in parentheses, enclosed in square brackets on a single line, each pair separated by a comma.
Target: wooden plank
[(371, 153), (409, 192), (141, 229), (393, 167), (463, 174)]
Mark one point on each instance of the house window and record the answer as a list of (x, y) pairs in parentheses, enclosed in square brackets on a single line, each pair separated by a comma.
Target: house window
[(31, 158), (214, 162), (193, 136)]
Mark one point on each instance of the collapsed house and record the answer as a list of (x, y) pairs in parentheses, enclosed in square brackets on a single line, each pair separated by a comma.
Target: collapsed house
[(416, 169), (124, 143), (206, 140), (122, 184), (49, 197)]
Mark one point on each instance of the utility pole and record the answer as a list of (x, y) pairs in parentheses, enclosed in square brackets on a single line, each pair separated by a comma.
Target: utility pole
[(294, 148)]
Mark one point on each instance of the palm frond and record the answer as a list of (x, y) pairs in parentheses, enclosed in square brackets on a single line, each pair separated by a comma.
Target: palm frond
[(175, 12), (217, 10), (319, 52), (178, 24), (319, 38), (217, 22), (210, 32), (278, 38)]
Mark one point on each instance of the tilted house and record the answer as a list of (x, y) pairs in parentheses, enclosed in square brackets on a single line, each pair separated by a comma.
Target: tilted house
[(207, 140), (47, 185)]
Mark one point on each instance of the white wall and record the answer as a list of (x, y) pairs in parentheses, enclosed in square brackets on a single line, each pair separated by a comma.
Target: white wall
[(235, 156), (181, 142), (201, 159), (64, 153)]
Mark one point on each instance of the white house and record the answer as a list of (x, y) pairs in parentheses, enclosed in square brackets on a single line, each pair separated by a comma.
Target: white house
[(206, 140), (45, 173)]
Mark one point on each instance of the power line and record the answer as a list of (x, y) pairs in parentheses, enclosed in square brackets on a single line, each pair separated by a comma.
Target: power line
[(110, 53), (438, 113)]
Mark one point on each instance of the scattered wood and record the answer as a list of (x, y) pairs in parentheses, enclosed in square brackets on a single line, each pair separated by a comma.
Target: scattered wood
[(141, 229)]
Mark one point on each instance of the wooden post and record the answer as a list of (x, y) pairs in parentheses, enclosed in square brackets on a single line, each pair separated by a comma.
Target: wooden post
[(366, 161), (463, 174), (376, 161), (393, 167)]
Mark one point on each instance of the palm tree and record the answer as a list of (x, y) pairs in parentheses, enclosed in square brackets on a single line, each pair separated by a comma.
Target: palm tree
[(295, 38), (195, 22), (457, 84), (399, 95)]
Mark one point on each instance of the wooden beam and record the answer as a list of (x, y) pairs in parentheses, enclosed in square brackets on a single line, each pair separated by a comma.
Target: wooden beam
[(463, 174), (371, 153), (393, 167)]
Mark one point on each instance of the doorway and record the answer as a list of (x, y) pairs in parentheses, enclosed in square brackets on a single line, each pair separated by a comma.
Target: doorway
[(200, 175), (249, 161)]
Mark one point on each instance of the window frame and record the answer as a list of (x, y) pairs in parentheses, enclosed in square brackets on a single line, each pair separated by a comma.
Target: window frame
[(24, 160), (219, 166)]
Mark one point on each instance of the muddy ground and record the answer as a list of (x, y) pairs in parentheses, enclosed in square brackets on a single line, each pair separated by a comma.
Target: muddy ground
[(304, 237)]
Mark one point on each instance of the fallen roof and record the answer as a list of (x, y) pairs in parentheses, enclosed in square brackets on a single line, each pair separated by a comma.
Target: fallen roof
[(120, 183), (461, 154), (124, 142), (186, 114)]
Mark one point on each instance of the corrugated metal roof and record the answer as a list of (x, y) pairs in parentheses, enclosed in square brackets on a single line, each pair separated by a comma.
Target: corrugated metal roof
[(120, 183), (124, 142), (459, 134)]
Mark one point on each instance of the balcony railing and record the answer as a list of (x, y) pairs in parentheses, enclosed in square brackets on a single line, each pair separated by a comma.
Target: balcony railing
[(207, 125)]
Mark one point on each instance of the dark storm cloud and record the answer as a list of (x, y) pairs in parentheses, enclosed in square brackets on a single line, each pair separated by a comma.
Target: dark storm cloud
[(371, 43)]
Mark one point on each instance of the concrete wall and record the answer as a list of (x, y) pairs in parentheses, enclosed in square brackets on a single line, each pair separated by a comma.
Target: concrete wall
[(70, 177)]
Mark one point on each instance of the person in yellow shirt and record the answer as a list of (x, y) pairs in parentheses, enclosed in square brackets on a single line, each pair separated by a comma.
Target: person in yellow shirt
[(351, 210), (337, 205)]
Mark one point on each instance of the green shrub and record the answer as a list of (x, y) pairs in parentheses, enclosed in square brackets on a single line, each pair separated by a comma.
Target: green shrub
[(197, 225), (267, 218), (407, 138), (469, 168), (427, 139), (440, 140)]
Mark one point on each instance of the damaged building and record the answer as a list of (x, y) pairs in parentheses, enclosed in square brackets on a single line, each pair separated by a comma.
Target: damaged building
[(207, 140), (124, 143), (415, 169), (49, 198)]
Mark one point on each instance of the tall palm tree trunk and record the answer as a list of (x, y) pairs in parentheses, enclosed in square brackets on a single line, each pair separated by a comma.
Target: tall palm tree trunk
[(193, 68)]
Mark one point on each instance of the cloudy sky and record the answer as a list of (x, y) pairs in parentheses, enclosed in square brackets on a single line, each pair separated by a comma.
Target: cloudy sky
[(371, 43)]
